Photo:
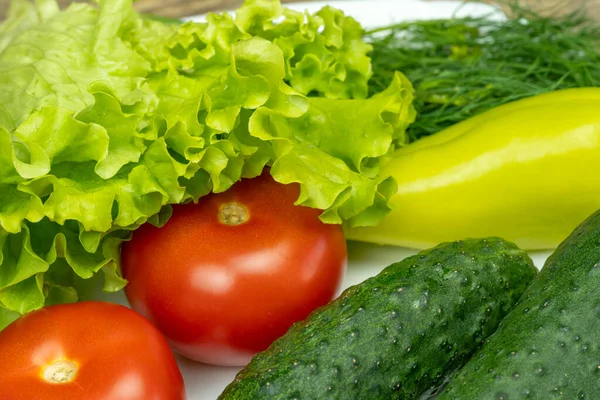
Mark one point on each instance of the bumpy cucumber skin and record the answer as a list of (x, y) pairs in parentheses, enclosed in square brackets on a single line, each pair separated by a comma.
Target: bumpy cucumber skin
[(548, 347), (396, 335)]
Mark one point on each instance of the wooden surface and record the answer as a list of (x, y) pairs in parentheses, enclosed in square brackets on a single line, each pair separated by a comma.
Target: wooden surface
[(180, 8)]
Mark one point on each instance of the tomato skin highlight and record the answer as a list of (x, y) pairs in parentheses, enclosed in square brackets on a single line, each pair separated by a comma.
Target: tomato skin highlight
[(222, 292), (118, 354)]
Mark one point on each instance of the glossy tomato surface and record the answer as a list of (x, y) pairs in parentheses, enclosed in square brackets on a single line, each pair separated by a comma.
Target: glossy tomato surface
[(227, 276), (87, 351)]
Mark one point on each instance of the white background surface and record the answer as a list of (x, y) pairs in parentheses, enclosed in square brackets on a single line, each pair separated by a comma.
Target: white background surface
[(205, 382)]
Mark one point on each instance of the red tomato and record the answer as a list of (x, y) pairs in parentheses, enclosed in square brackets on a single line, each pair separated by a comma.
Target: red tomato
[(227, 276), (87, 351)]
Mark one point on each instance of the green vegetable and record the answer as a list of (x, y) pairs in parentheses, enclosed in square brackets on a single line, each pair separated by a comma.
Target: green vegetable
[(108, 118), (462, 67), (397, 335), (547, 347)]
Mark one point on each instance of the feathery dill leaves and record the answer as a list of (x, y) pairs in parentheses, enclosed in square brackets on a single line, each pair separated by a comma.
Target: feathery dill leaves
[(464, 66)]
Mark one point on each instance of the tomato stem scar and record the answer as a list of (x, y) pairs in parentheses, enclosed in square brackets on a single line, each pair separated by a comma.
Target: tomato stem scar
[(233, 214), (62, 371)]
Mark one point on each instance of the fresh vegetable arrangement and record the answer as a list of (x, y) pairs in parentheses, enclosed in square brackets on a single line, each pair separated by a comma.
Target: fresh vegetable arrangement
[(214, 170), (397, 335), (102, 130), (495, 165), (401, 333)]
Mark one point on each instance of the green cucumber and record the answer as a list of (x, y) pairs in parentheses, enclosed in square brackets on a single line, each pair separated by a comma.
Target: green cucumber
[(548, 347), (396, 335)]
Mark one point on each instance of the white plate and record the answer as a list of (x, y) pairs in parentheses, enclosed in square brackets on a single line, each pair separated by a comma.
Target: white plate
[(205, 382)]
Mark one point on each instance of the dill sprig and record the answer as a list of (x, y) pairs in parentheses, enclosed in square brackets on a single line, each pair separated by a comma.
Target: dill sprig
[(464, 66)]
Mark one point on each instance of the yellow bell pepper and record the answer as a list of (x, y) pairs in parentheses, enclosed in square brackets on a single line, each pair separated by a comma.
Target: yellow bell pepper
[(528, 171)]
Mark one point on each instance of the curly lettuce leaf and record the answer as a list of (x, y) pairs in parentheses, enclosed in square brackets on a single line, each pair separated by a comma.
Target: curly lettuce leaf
[(41, 263), (335, 149), (108, 119), (324, 53), (53, 61)]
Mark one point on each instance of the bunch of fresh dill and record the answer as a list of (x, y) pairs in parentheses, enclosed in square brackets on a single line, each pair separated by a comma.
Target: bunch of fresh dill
[(464, 66)]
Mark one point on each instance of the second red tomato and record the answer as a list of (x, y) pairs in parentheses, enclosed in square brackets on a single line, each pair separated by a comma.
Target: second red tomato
[(227, 276)]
